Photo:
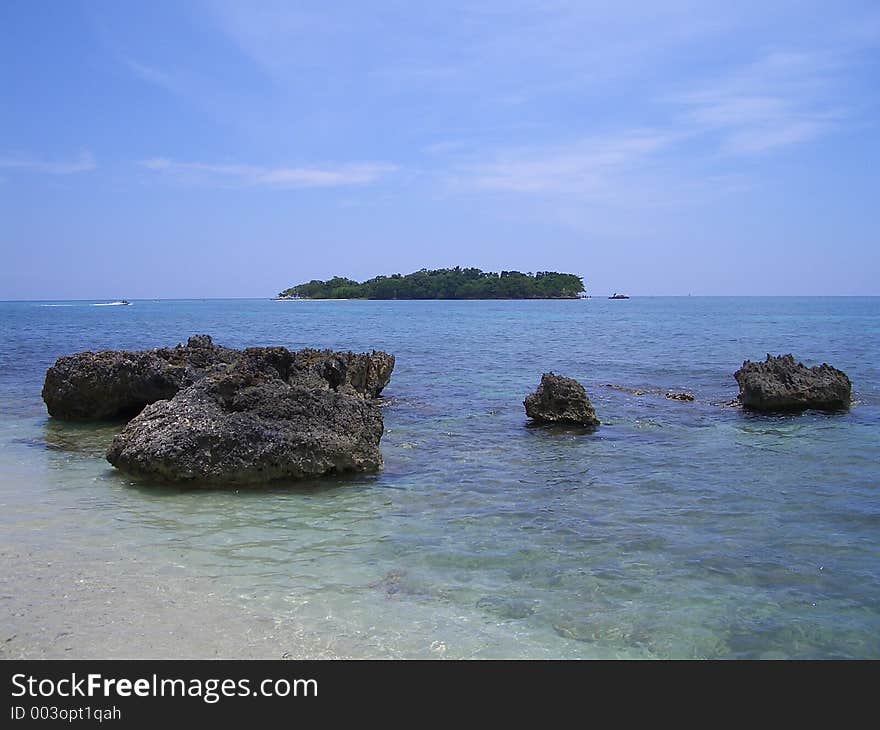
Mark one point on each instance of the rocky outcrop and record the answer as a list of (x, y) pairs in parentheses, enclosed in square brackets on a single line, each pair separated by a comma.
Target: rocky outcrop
[(782, 384), (100, 385), (204, 414), (560, 400), (247, 426), (347, 372), (92, 386), (684, 397)]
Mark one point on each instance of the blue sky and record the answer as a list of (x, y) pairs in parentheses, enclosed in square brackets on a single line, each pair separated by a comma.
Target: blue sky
[(199, 149)]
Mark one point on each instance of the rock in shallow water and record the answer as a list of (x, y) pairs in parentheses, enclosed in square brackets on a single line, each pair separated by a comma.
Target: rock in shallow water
[(94, 386), (101, 385), (506, 608), (247, 426), (560, 400), (217, 416), (781, 384)]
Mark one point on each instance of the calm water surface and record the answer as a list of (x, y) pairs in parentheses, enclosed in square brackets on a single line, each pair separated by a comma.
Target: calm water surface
[(676, 530)]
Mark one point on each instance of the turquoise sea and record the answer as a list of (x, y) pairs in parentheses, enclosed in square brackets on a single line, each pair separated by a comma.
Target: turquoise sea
[(679, 530)]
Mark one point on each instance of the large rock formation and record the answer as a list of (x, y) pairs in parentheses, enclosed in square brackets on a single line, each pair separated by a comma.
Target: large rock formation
[(91, 386), (99, 385), (249, 427), (212, 415), (560, 400), (94, 386), (781, 384)]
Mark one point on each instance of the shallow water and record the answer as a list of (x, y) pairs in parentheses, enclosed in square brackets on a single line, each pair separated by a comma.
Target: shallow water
[(676, 530)]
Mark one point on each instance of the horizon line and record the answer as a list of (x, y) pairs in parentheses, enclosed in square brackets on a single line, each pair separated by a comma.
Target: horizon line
[(500, 299)]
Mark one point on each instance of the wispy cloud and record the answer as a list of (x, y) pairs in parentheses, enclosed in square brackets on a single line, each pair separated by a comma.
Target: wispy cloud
[(83, 163), (583, 168), (460, 45), (279, 177), (155, 76), (781, 100)]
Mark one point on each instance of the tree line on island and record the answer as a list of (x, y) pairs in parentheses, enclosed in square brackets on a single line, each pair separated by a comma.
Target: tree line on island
[(457, 283)]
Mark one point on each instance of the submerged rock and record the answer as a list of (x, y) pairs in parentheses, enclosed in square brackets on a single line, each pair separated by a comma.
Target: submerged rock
[(506, 608), (781, 384), (94, 386), (248, 426), (668, 394), (560, 400), (631, 391)]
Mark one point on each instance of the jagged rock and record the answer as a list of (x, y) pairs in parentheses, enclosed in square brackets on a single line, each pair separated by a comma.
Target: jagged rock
[(100, 385), (200, 342), (781, 384), (111, 384), (92, 386), (248, 426), (560, 400), (686, 397), (360, 374), (206, 414)]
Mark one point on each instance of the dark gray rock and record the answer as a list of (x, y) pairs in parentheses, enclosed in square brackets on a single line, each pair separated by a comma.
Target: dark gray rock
[(348, 372), (781, 384), (92, 386), (101, 385), (206, 414), (560, 400), (200, 342), (249, 426)]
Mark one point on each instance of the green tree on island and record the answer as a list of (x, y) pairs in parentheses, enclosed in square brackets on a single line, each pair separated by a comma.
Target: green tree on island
[(457, 283)]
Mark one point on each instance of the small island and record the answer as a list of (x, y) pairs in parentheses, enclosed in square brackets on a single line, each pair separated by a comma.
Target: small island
[(457, 283)]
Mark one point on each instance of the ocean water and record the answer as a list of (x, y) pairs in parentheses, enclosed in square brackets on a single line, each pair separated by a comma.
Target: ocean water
[(682, 530)]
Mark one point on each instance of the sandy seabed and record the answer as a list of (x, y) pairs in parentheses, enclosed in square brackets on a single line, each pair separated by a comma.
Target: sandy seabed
[(58, 605)]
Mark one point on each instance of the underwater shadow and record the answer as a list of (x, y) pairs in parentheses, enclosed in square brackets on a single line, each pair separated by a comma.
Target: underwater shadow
[(153, 486), (560, 429)]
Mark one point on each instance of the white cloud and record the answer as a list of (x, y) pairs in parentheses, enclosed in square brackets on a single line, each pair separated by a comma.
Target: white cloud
[(157, 163), (781, 100), (152, 75), (83, 163), (774, 135), (583, 168), (280, 177)]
